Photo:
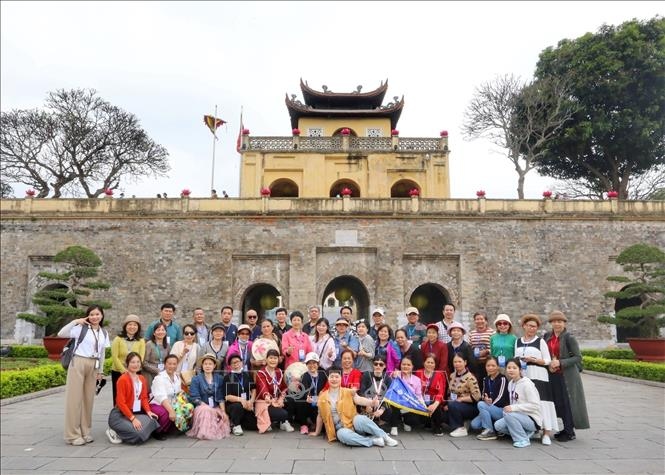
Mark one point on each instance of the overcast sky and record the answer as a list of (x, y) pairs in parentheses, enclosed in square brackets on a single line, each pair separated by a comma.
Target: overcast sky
[(170, 63)]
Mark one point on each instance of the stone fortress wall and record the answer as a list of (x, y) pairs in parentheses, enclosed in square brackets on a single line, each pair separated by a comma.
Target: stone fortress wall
[(502, 256)]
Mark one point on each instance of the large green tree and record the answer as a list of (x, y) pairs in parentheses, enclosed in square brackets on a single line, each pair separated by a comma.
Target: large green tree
[(617, 78)]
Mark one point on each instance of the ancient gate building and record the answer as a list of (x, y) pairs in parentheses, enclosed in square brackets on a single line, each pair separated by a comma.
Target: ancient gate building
[(356, 214)]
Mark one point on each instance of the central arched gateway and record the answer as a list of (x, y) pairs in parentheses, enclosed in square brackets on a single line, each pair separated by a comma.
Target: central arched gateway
[(429, 299), (345, 290), (264, 298)]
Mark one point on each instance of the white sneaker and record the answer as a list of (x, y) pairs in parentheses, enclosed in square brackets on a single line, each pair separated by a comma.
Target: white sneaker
[(393, 431), (378, 441), (390, 442), (407, 428), (237, 430), (459, 432), (113, 437), (286, 426), (546, 440)]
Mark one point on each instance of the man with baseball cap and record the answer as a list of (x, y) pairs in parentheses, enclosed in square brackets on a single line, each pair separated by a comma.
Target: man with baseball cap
[(415, 331), (345, 340), (378, 319)]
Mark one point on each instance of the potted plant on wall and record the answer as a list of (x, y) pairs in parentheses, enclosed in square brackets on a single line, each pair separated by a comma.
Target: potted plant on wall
[(64, 295), (645, 285)]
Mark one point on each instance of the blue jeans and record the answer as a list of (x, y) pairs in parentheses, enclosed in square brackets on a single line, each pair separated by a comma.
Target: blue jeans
[(488, 414), (459, 411), (361, 425), (518, 425)]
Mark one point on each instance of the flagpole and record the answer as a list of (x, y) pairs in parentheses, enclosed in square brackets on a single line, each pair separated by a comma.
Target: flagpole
[(214, 139)]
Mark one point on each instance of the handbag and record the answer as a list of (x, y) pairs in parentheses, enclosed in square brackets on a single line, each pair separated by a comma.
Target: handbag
[(70, 348)]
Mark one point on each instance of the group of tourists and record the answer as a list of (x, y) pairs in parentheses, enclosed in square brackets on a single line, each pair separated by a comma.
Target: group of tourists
[(211, 381)]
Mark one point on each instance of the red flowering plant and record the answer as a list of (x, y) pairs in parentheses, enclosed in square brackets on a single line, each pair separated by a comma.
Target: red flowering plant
[(346, 131), (30, 193), (295, 131), (612, 194), (185, 193), (394, 132), (108, 192), (414, 192), (444, 133), (245, 131), (547, 194), (346, 191), (265, 191), (480, 193)]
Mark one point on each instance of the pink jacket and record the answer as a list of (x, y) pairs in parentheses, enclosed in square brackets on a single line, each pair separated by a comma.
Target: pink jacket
[(301, 346)]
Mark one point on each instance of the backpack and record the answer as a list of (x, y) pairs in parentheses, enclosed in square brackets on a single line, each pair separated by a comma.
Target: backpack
[(70, 348)]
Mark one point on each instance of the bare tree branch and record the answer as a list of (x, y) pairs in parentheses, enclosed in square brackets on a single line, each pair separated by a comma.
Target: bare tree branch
[(81, 144)]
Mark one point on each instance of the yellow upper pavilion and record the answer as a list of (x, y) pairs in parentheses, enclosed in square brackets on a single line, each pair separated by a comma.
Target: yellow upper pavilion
[(344, 140)]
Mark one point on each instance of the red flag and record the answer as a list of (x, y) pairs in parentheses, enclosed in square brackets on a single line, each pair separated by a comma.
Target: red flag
[(242, 126), (213, 123)]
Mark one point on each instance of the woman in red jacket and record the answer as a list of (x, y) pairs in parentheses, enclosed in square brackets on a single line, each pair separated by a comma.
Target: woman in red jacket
[(434, 390), (432, 345), (131, 420)]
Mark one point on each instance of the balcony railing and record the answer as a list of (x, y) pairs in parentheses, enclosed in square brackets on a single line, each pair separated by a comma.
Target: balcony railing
[(344, 144)]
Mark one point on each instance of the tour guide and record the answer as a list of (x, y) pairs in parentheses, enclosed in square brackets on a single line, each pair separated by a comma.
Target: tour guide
[(337, 408)]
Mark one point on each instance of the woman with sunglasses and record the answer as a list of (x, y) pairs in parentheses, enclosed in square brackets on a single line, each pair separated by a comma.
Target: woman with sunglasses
[(188, 352), (374, 384), (502, 343)]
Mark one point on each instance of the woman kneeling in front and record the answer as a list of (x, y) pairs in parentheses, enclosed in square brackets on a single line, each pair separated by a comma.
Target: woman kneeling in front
[(131, 420), (522, 418), (337, 408)]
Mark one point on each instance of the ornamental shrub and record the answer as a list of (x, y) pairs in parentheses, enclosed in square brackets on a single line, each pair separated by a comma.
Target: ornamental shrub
[(630, 369)]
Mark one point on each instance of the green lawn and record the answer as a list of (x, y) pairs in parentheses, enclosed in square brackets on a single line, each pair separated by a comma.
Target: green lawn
[(23, 363)]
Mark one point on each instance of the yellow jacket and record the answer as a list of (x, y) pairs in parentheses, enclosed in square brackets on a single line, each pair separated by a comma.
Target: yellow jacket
[(345, 408), (120, 348)]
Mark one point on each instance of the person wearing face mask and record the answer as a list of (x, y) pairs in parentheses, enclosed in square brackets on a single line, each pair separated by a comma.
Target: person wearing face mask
[(239, 395), (242, 347)]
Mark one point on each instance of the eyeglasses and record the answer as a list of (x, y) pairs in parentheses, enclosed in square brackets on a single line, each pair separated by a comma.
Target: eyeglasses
[(190, 333), (252, 316), (500, 324), (379, 364)]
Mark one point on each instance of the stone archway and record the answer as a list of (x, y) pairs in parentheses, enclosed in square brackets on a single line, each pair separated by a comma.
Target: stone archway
[(262, 297), (339, 185), (345, 290), (284, 188), (401, 188), (429, 299)]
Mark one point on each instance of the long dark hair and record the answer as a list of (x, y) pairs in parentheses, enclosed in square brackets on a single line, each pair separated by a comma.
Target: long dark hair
[(95, 307), (316, 333), (152, 338)]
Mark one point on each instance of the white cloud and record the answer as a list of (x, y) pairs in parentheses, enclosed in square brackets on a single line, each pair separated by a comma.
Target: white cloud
[(171, 62)]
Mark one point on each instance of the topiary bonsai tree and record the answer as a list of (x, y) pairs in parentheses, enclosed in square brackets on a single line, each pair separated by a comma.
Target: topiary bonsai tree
[(646, 283), (59, 306)]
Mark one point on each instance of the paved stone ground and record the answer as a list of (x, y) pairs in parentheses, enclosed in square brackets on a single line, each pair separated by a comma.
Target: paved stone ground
[(627, 436)]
